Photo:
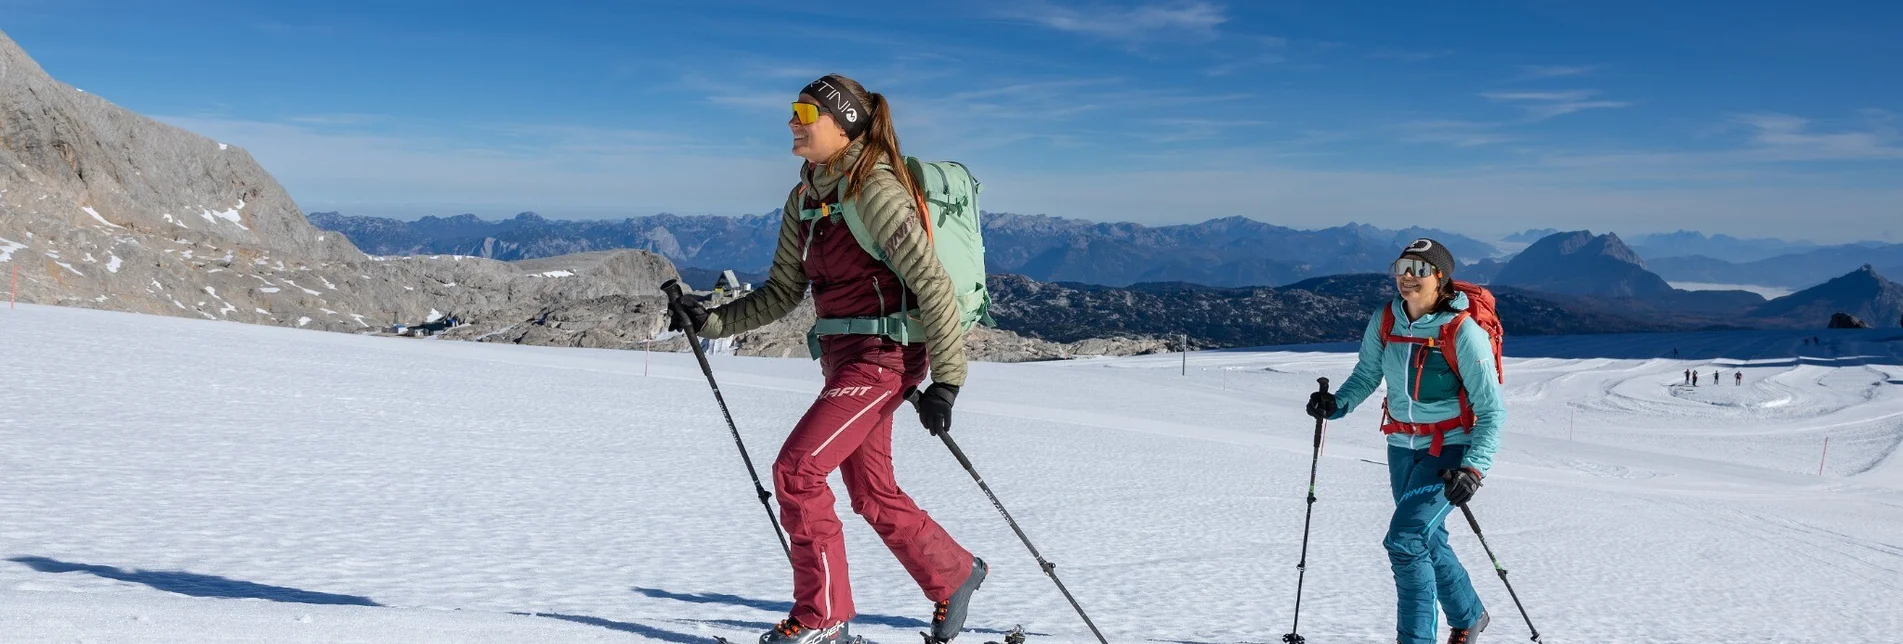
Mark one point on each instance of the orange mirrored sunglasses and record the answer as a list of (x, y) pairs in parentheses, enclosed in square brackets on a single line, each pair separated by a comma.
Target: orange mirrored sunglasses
[(807, 113)]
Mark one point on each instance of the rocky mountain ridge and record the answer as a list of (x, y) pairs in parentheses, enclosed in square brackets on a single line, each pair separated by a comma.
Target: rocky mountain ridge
[(1232, 251), (1863, 293), (104, 208)]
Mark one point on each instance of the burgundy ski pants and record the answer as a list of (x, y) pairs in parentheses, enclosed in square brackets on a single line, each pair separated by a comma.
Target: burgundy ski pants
[(849, 428)]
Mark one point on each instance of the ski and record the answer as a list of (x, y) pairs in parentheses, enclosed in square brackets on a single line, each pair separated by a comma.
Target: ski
[(1013, 636), (856, 639)]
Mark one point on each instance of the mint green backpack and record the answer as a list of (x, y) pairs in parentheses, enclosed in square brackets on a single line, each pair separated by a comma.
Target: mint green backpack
[(951, 199)]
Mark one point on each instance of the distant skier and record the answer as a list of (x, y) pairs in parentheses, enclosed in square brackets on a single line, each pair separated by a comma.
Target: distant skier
[(871, 353), (1694, 378), (1688, 376), (1714, 378), (1739, 378), (1449, 419)]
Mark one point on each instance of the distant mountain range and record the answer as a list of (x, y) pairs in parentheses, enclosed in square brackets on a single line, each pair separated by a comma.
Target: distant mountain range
[(1580, 263), (1325, 309), (1686, 243), (1522, 312), (1600, 273), (1562, 282), (1797, 270), (1233, 251), (1864, 293), (1228, 252), (1336, 308), (1530, 236), (743, 243)]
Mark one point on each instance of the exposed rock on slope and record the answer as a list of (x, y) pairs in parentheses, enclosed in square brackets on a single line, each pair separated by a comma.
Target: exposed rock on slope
[(104, 208)]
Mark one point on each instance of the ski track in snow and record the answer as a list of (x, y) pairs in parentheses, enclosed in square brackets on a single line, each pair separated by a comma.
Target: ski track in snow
[(325, 487)]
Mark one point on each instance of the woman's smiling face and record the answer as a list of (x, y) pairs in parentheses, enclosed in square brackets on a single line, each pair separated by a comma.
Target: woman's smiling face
[(820, 140)]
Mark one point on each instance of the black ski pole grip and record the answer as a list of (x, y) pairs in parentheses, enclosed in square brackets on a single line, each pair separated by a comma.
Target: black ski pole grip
[(672, 288), (1324, 383)]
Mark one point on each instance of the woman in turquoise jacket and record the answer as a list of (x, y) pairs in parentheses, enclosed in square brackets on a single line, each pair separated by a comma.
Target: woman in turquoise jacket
[(1437, 454)]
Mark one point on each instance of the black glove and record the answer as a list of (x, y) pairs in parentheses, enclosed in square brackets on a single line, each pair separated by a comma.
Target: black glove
[(935, 407), (1321, 404), (1461, 484), (683, 303)]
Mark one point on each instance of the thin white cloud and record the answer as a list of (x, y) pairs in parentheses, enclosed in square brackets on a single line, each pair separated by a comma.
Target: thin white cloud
[(1410, 56), (760, 100), (1261, 51), (1180, 130), (1534, 72), (1151, 22), (1792, 138), (1571, 95), (343, 118), (1540, 106), (1550, 110), (1461, 134)]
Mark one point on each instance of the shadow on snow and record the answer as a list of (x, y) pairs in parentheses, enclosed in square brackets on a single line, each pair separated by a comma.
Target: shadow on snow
[(196, 585), (781, 607)]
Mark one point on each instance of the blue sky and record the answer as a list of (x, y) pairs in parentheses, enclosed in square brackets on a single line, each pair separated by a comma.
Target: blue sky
[(1750, 118)]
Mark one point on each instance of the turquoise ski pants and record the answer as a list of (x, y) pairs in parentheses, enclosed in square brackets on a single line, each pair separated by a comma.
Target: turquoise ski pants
[(1425, 569)]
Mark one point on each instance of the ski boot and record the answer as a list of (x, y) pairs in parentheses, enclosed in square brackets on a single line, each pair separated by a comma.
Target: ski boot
[(1470, 634), (792, 631), (948, 617)]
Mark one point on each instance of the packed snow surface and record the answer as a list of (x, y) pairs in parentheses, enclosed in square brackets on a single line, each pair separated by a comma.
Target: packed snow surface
[(174, 480)]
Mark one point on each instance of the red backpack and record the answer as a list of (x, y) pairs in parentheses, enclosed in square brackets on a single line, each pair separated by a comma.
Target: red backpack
[(1480, 307)]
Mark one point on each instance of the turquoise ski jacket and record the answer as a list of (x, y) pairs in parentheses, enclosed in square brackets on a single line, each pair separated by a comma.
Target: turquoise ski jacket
[(1432, 393)]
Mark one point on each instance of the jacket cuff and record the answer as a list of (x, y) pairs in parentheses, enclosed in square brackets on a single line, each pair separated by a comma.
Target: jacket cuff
[(713, 328)]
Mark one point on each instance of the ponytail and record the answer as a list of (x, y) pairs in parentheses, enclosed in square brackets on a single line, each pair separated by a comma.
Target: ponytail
[(881, 142)]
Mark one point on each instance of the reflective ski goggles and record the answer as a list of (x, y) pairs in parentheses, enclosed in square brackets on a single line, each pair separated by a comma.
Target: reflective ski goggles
[(1411, 266), (806, 113)]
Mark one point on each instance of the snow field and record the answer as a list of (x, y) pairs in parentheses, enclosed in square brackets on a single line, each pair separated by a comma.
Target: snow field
[(184, 480)]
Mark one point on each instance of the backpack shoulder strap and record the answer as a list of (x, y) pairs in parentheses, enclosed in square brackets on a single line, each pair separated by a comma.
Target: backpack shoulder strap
[(1449, 337), (1387, 322)]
